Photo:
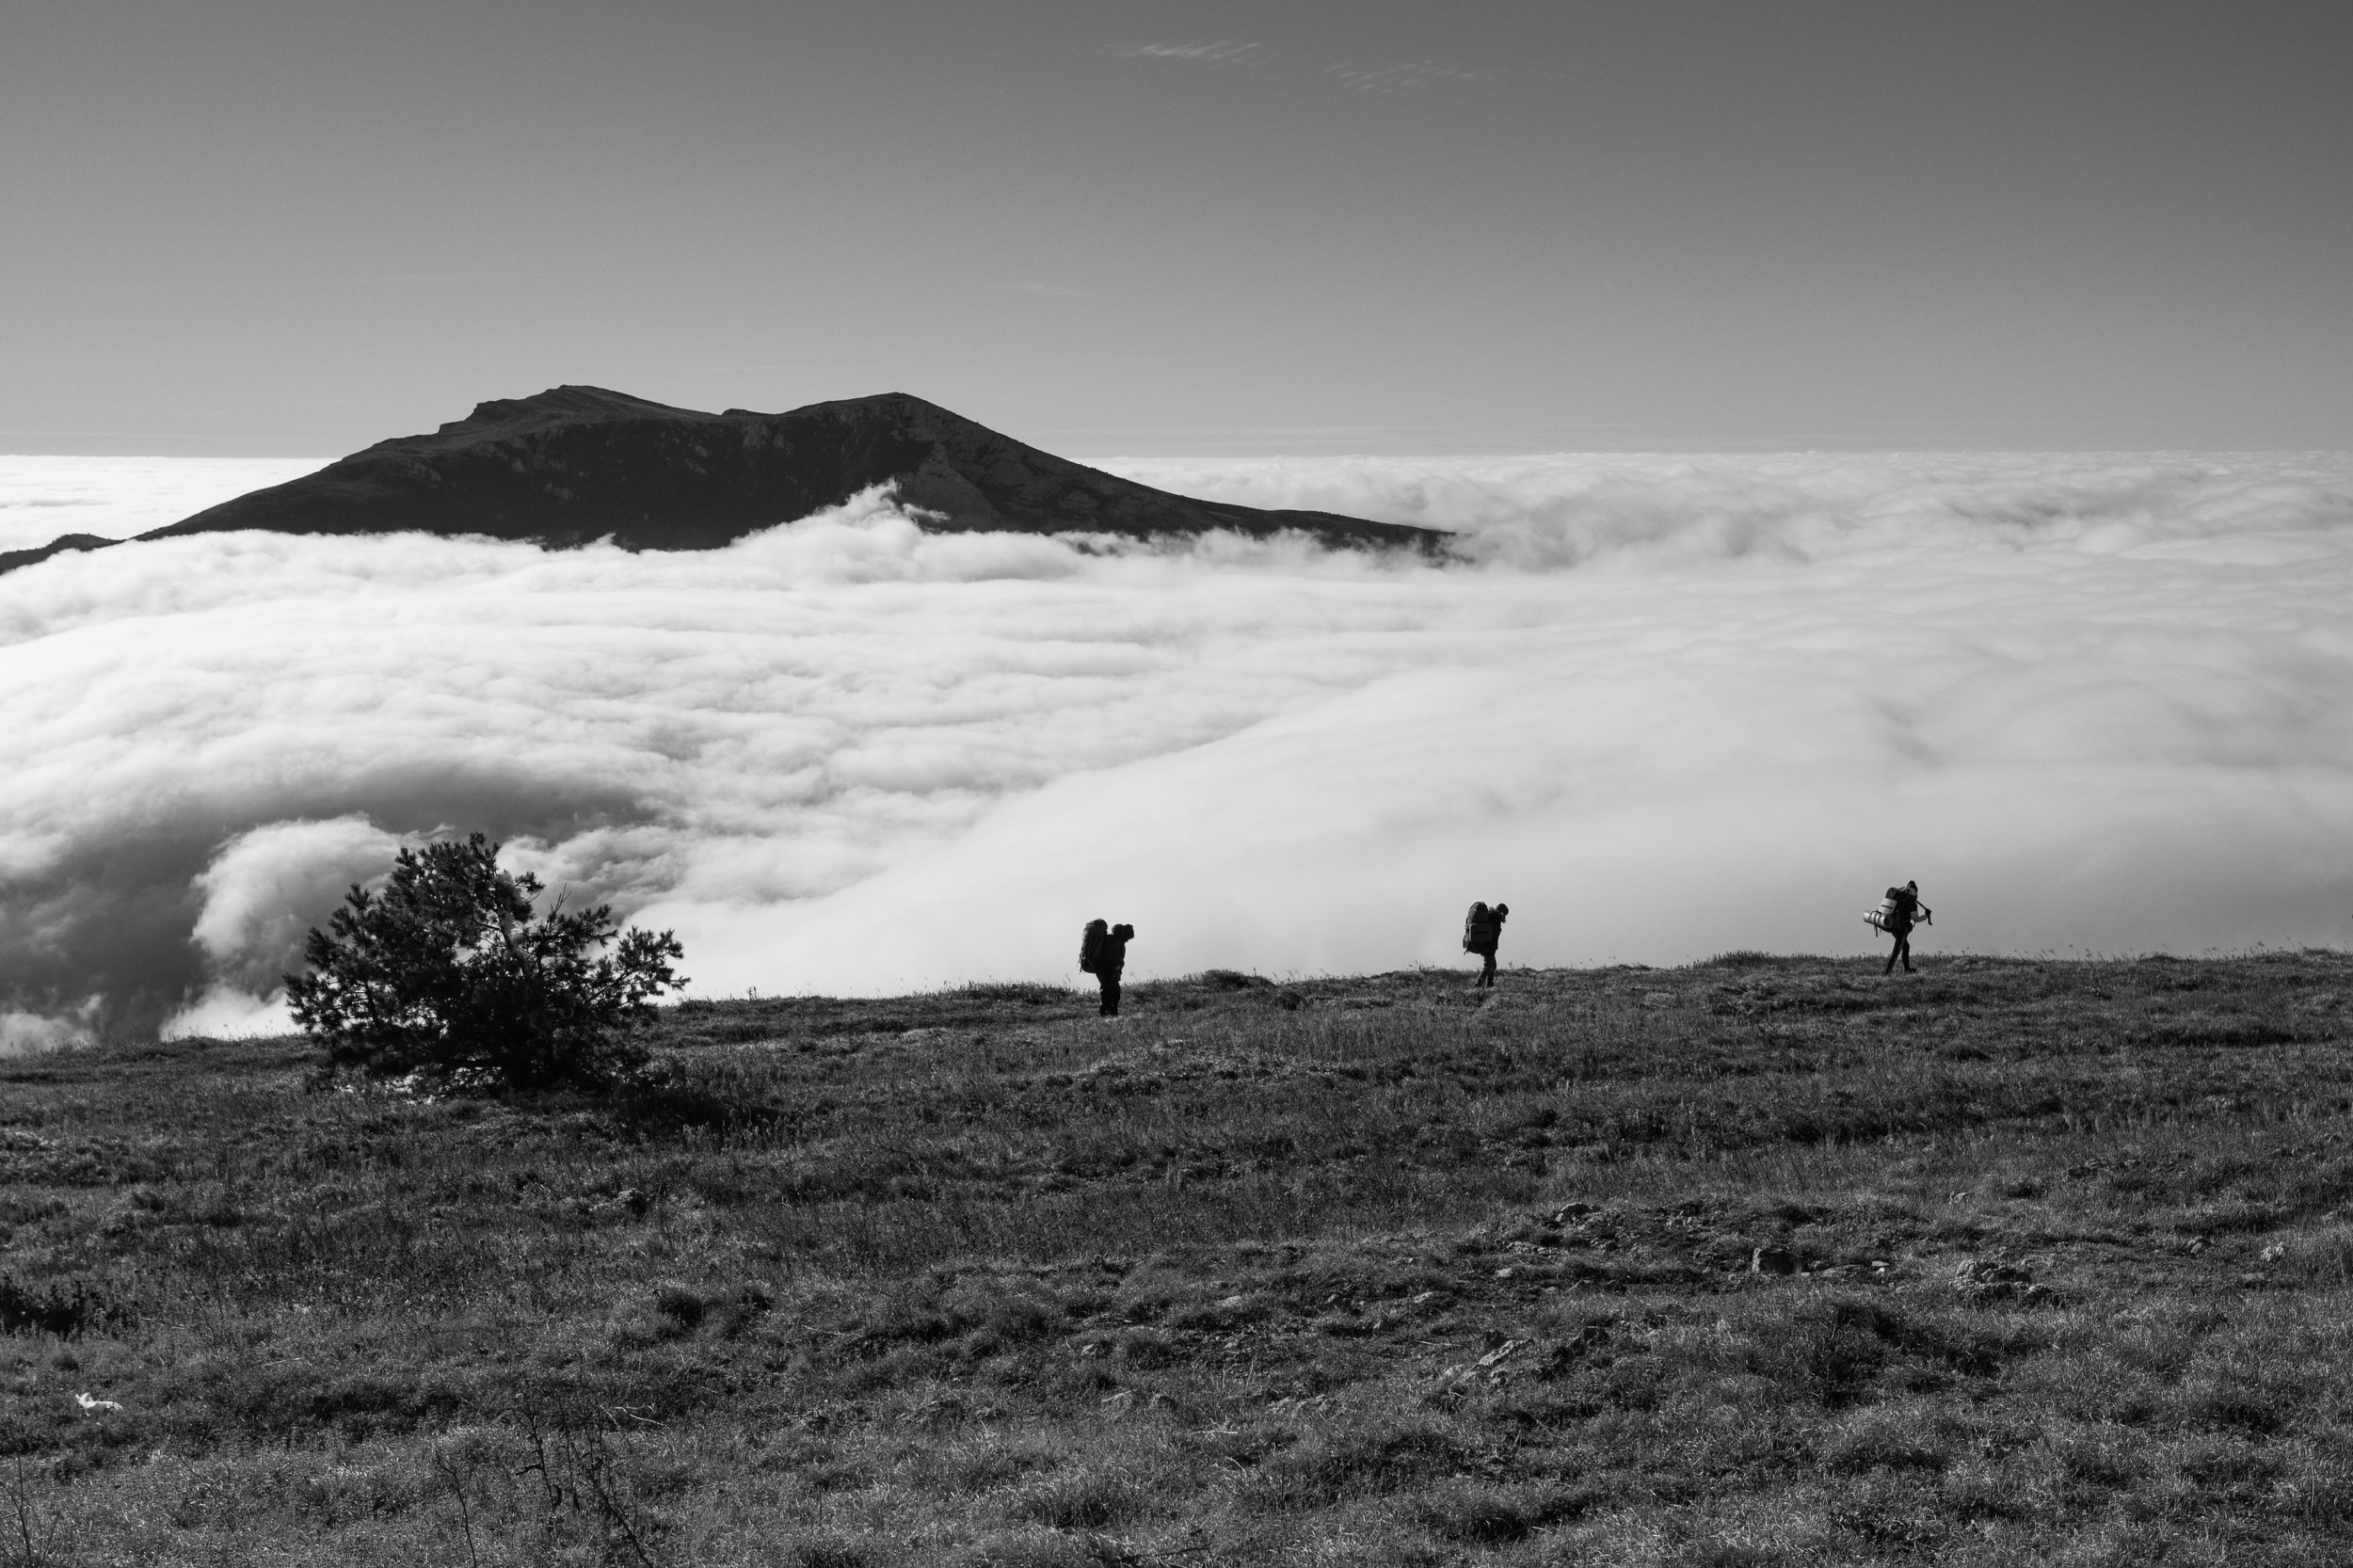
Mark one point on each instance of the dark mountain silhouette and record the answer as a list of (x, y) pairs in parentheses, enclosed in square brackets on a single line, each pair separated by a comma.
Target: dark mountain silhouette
[(580, 463), (11, 559)]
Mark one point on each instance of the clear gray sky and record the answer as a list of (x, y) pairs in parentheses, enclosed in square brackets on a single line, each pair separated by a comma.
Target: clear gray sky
[(259, 228)]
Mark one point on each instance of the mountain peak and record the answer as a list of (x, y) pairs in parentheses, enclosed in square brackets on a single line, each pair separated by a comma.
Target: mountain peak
[(562, 402), (576, 463)]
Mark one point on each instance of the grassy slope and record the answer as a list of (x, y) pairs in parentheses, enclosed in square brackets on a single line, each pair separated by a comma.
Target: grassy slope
[(1362, 1271)]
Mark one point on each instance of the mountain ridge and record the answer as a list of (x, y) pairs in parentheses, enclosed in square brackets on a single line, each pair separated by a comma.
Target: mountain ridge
[(575, 464)]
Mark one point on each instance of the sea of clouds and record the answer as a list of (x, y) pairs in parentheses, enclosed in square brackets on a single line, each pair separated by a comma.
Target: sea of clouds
[(44, 498), (1664, 707)]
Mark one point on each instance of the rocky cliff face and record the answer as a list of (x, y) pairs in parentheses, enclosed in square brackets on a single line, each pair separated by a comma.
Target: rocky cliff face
[(580, 463)]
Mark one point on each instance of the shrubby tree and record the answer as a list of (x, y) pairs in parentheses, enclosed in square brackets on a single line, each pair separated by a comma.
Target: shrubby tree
[(446, 972)]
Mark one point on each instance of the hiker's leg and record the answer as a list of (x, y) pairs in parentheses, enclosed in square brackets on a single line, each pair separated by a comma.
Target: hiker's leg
[(1486, 968), (1893, 951), (1110, 996)]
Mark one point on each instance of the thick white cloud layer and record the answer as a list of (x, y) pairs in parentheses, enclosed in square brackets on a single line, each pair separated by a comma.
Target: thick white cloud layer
[(1672, 706), (42, 497)]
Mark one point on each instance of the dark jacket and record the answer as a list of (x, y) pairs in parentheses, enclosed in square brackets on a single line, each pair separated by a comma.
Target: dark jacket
[(1903, 911), (1111, 956)]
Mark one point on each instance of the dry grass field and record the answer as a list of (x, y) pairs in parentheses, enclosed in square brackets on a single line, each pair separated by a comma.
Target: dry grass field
[(1758, 1262)]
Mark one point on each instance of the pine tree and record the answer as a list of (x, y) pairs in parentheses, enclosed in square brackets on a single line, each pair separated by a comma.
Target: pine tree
[(447, 973)]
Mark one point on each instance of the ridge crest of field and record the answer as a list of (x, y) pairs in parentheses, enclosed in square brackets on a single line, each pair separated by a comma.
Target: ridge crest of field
[(1778, 1260)]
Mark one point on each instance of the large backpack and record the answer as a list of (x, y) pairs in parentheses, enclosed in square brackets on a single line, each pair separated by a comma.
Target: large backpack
[(1479, 929), (1090, 945)]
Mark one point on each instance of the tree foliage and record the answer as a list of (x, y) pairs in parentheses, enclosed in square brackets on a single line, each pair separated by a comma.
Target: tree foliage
[(447, 973)]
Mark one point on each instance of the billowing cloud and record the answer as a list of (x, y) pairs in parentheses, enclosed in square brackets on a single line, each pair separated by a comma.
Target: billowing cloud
[(1664, 706), (259, 881), (23, 1033)]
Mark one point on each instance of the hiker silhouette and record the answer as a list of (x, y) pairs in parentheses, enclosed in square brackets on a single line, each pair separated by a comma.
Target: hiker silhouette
[(1103, 953), (1897, 916), (1483, 929)]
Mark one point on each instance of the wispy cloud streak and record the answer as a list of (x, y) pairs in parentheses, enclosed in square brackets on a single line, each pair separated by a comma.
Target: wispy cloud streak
[(1218, 52), (1401, 75)]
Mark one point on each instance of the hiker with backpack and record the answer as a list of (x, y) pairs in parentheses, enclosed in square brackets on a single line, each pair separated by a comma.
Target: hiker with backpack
[(1896, 916), (1103, 953), (1483, 929)]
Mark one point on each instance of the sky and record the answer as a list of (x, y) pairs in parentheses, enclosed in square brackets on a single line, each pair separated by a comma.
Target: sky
[(1664, 707), (1883, 442), (258, 228)]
